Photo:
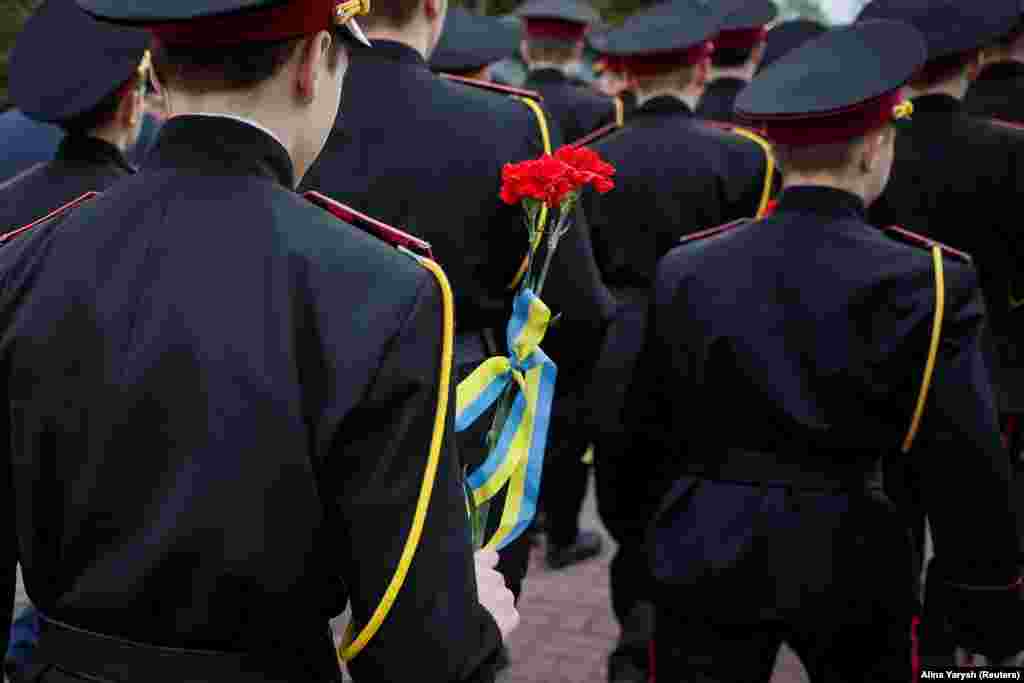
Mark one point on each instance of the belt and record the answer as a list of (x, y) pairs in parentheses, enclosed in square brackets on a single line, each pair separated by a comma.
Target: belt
[(104, 658), (808, 472)]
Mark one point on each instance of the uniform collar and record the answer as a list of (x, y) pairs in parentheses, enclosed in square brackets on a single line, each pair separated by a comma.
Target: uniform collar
[(221, 145), (76, 148), (664, 104), (1000, 71), (547, 74), (827, 202), (394, 51), (938, 103), (727, 83)]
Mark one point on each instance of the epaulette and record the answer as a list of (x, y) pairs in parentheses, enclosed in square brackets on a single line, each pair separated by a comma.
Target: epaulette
[(913, 238), (494, 87), (757, 137), (50, 216), (1008, 124), (383, 231), (710, 232), (599, 134)]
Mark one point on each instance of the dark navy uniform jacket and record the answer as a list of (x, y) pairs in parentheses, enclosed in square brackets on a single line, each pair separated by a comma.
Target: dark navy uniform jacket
[(998, 92), (577, 108), (957, 178), (425, 155), (219, 401), (716, 104), (82, 164), (802, 339), (675, 175), (25, 143)]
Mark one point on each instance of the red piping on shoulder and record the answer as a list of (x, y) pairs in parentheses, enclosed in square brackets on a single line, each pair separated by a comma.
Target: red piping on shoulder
[(383, 231), (53, 214), (713, 231), (927, 242), (596, 135), (487, 85)]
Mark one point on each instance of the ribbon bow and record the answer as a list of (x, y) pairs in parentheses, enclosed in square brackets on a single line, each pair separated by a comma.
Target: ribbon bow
[(518, 455)]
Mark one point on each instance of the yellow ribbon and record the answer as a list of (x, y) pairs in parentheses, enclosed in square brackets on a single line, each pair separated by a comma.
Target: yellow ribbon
[(350, 646)]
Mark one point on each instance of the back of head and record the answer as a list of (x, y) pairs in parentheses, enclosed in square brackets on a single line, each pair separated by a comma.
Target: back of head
[(743, 31), (82, 92), (554, 30), (829, 105), (954, 31)]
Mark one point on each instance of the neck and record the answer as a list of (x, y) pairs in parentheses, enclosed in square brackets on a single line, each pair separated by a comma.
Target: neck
[(690, 96), (537, 66), (416, 35), (954, 87), (119, 136), (280, 122), (743, 73), (853, 186)]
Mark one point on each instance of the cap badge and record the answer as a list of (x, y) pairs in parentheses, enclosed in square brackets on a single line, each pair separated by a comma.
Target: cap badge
[(345, 11)]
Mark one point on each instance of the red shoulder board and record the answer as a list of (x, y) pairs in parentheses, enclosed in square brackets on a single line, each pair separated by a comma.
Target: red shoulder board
[(392, 236), (596, 135), (925, 242), (1016, 125), (53, 214), (487, 85), (731, 127), (693, 237)]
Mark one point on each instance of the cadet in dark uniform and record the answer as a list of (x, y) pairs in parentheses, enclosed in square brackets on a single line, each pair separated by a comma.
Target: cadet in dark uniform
[(230, 412), (552, 45), (784, 359), (739, 48), (949, 160), (998, 91), (470, 43), (786, 36), (676, 175), (97, 97), (425, 154)]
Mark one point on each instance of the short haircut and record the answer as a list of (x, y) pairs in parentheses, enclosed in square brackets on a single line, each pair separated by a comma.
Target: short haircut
[(729, 57), (551, 50), (676, 78), (941, 69), (833, 157), (100, 115), (237, 67), (389, 14)]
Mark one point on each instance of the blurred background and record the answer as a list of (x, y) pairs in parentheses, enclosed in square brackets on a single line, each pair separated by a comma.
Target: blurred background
[(14, 12)]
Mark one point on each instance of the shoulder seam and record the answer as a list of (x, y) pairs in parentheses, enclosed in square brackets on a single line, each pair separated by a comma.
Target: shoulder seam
[(493, 87), (53, 214), (917, 240)]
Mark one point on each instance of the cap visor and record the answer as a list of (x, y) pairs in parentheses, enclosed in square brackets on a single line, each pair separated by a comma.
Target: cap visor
[(357, 32)]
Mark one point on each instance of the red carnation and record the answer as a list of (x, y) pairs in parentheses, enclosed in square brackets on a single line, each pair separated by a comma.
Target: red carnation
[(546, 179), (588, 167)]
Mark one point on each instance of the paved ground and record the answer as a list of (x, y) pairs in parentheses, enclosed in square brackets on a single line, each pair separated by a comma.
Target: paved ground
[(567, 626)]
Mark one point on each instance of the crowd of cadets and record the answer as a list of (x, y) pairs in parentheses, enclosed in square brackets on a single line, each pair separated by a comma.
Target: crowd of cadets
[(220, 399)]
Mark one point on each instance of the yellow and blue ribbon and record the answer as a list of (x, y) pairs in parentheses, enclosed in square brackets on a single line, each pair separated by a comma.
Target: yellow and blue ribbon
[(518, 455)]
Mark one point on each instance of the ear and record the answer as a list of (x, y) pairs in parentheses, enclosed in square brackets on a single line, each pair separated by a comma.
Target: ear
[(701, 72), (433, 8), (871, 149), (313, 63), (757, 54), (131, 106), (974, 65), (523, 52)]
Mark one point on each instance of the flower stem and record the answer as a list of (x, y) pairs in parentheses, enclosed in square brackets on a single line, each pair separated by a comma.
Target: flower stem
[(553, 239)]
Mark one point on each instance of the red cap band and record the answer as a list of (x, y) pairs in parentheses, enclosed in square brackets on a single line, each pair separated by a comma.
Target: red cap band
[(278, 22), (555, 29), (828, 127), (741, 38), (647, 65)]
